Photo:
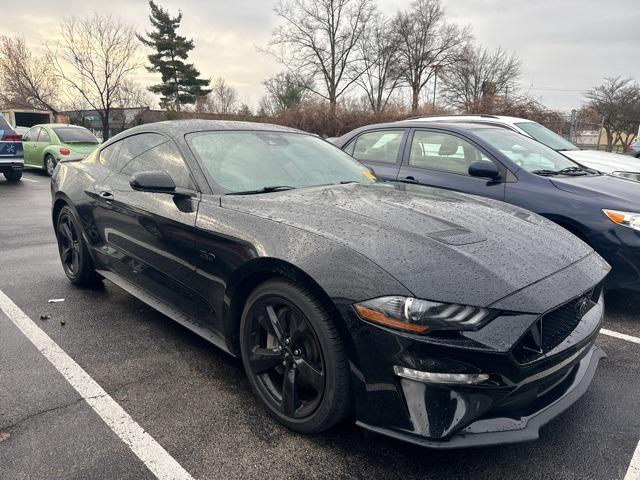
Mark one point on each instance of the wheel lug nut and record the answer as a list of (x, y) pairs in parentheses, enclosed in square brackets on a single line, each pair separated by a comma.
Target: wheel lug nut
[(296, 352), (287, 341)]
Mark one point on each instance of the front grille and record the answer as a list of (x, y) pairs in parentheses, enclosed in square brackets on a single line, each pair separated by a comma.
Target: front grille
[(554, 327)]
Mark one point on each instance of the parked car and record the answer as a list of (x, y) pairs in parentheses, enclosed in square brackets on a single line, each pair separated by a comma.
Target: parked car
[(430, 315), (634, 148), (11, 156), (605, 162), (602, 210), (21, 130), (45, 145)]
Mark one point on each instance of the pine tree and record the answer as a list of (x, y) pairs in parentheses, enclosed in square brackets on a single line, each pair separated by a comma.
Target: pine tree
[(181, 84)]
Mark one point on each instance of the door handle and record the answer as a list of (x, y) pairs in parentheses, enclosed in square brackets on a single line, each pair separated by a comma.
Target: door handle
[(106, 195), (409, 179)]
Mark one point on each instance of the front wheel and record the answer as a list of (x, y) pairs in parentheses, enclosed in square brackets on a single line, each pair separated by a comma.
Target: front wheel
[(49, 164), (13, 176), (294, 357), (74, 254)]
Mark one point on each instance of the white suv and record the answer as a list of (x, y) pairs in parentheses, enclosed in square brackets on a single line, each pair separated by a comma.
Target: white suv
[(605, 162)]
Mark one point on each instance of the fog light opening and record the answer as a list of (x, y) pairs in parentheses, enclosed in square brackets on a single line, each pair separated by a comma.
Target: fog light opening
[(443, 378)]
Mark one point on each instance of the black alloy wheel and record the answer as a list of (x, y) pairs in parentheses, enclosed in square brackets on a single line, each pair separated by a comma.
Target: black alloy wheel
[(74, 255), (294, 358)]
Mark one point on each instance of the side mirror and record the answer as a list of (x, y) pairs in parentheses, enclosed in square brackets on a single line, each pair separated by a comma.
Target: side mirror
[(484, 169), (157, 182)]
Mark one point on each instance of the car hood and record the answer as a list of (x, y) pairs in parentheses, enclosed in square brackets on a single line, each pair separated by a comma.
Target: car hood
[(612, 191), (441, 245), (606, 162)]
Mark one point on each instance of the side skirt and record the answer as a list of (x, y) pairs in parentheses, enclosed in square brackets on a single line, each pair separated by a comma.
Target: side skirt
[(164, 308)]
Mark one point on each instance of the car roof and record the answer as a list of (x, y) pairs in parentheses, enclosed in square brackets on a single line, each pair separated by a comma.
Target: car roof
[(473, 118), (179, 128), (459, 127)]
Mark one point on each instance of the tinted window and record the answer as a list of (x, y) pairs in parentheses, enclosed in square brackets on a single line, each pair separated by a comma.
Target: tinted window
[(31, 135), (44, 136), (524, 151), (443, 152), (165, 157), (4, 125), (378, 146), (137, 144), (75, 134), (109, 156), (241, 161)]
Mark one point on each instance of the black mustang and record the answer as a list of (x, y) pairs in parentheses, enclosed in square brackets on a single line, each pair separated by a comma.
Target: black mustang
[(432, 316)]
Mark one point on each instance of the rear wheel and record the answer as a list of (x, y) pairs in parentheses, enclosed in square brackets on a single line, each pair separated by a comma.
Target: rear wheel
[(49, 164), (13, 176), (294, 357), (74, 254)]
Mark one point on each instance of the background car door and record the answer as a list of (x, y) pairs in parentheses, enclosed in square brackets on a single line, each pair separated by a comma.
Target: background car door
[(380, 150), (150, 236), (44, 140), (441, 159), (29, 144)]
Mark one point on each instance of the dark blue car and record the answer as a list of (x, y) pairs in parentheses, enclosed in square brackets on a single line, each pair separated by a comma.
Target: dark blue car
[(11, 154), (602, 210)]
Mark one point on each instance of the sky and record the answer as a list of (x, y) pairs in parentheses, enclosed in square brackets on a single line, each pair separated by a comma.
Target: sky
[(566, 46)]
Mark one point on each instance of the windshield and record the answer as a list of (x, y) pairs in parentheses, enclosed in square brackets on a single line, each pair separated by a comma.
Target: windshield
[(524, 151), (254, 160), (75, 134), (546, 136)]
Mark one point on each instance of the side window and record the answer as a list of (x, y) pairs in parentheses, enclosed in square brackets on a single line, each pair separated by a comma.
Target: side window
[(378, 146), (443, 152), (165, 157), (31, 135), (137, 144), (44, 136), (109, 156)]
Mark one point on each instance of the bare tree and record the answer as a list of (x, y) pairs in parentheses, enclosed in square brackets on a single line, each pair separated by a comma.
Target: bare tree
[(378, 49), (617, 101), (318, 39), (25, 83), (466, 80), (427, 44), (223, 99), (94, 58), (284, 90)]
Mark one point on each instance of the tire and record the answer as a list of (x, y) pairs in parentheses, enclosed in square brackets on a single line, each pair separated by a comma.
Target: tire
[(74, 253), (13, 176), (307, 339), (49, 164)]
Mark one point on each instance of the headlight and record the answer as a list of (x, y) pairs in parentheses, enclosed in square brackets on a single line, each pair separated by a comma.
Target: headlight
[(628, 175), (420, 316), (627, 219)]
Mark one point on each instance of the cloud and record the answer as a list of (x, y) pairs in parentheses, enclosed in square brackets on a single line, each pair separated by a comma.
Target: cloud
[(566, 45)]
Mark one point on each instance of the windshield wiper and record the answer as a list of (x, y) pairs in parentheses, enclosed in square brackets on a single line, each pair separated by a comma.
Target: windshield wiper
[(545, 172), (573, 171), (274, 188)]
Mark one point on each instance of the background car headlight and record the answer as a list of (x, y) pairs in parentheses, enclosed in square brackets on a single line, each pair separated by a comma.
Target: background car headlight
[(628, 175), (626, 219), (420, 316)]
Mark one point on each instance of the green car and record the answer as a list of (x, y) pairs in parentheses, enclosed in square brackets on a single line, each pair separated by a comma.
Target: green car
[(45, 145)]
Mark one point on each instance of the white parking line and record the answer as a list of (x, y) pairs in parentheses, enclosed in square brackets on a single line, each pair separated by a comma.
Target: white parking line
[(621, 336), (29, 180), (155, 458), (633, 472), (634, 468)]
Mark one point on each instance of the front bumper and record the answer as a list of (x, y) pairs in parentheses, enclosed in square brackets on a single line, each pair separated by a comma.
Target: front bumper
[(501, 429), (522, 393)]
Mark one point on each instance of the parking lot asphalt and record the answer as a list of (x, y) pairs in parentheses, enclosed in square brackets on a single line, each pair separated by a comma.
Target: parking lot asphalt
[(195, 402)]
